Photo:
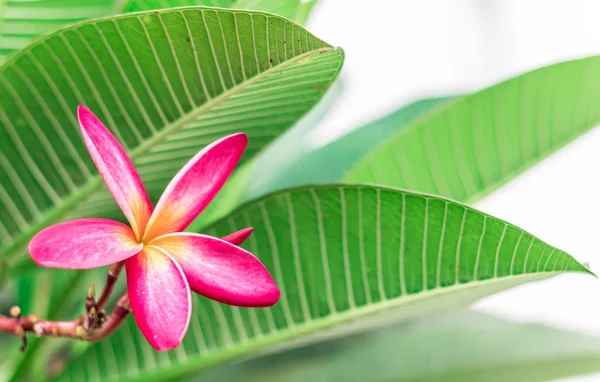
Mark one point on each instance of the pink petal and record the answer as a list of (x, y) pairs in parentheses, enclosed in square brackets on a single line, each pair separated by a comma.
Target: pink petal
[(83, 244), (220, 270), (116, 169), (237, 238), (160, 297), (195, 185)]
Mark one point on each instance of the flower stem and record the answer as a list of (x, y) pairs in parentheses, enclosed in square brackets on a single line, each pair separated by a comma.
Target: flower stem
[(118, 315), (111, 279)]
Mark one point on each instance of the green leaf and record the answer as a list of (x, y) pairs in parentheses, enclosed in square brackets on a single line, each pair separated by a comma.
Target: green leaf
[(22, 21), (339, 253), (282, 166), (460, 346), (295, 10), (166, 83), (479, 142)]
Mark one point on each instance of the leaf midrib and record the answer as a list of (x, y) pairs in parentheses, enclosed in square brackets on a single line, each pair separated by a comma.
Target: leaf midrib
[(293, 332), (58, 211)]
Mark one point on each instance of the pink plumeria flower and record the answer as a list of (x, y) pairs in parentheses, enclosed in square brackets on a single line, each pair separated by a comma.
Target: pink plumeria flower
[(162, 262)]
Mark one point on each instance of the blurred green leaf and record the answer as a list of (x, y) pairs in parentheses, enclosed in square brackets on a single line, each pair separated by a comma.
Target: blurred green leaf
[(282, 166), (295, 10), (459, 346), (4, 268), (23, 21), (459, 147), (340, 254), (473, 145)]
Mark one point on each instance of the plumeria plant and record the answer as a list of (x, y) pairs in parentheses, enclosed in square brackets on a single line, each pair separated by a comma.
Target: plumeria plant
[(308, 264)]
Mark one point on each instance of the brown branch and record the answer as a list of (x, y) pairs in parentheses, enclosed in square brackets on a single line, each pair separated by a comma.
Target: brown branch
[(20, 325), (118, 315), (111, 279), (93, 325)]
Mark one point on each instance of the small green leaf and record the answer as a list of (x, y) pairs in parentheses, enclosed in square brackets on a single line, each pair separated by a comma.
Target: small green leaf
[(340, 254)]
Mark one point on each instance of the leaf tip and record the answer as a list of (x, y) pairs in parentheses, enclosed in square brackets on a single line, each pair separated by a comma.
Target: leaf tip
[(586, 269)]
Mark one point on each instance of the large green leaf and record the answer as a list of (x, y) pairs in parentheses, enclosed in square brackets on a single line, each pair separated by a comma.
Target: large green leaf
[(339, 253), (166, 83), (459, 346), (475, 144), (295, 10), (22, 21)]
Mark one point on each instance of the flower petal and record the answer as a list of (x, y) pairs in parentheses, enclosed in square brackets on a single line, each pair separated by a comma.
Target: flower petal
[(195, 185), (220, 270), (83, 244), (160, 297), (237, 238), (116, 169)]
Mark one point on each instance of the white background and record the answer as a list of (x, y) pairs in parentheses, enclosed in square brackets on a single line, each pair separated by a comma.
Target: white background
[(400, 51)]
